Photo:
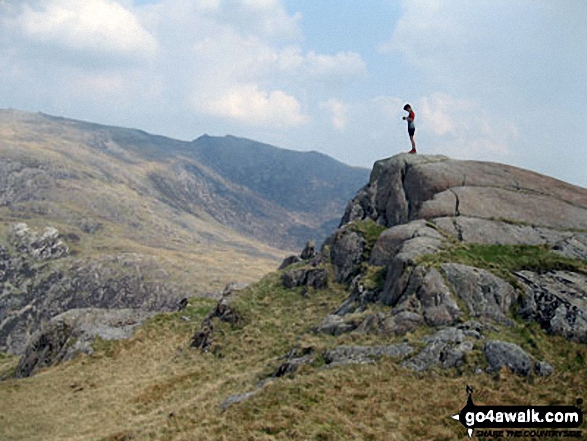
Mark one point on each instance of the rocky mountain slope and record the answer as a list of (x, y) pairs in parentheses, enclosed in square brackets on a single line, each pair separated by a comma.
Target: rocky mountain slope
[(103, 217), (442, 275), (90, 176)]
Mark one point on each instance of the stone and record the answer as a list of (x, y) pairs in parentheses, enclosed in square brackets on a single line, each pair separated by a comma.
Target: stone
[(502, 354), (361, 207), (372, 324), (335, 325), (402, 322), (344, 354), (447, 348), (74, 332), (346, 253), (543, 368), (485, 295), (316, 278), (408, 187), (294, 278), (203, 338), (238, 398), (413, 239), (294, 360), (32, 293), (46, 246), (233, 287), (573, 247), (309, 251), (557, 300), (428, 295)]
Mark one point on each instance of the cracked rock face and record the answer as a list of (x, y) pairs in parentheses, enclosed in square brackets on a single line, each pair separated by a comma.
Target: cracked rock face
[(485, 294), (558, 301)]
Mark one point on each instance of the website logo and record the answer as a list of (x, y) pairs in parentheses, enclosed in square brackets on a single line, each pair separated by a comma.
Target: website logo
[(510, 419)]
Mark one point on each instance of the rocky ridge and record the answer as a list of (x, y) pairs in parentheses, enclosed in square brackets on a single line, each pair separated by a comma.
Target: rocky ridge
[(400, 246)]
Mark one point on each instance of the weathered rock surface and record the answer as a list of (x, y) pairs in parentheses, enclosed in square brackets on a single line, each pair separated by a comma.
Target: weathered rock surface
[(501, 354), (335, 325), (73, 332), (345, 354), (310, 277), (428, 295), (485, 294), (294, 360), (346, 252), (40, 247), (558, 301), (447, 347), (39, 280)]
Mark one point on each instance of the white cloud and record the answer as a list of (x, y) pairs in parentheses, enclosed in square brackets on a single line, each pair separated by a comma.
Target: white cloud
[(463, 128), (344, 64), (98, 27), (339, 112), (266, 18), (441, 112), (246, 103)]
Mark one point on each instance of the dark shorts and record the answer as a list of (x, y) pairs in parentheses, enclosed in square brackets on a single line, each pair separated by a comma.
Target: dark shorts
[(411, 131)]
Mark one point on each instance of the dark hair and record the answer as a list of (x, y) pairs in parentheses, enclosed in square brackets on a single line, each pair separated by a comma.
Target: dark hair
[(406, 107)]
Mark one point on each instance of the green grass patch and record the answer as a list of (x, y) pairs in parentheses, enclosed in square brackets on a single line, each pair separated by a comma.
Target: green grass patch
[(374, 277), (370, 231), (8, 364), (502, 260)]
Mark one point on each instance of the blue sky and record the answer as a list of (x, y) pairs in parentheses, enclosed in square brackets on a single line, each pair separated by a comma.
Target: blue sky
[(489, 79)]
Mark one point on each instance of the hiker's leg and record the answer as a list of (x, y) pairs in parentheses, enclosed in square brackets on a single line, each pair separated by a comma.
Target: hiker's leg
[(413, 143)]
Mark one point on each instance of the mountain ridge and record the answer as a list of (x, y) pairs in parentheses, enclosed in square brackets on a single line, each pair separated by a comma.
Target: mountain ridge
[(297, 174)]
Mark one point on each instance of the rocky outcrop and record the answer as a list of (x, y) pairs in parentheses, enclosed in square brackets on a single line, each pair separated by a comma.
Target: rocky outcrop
[(558, 301), (447, 347), (39, 279), (408, 187), (426, 205), (484, 294), (204, 336), (501, 354), (74, 332)]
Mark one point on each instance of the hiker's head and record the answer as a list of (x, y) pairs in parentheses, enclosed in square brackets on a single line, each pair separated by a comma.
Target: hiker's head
[(407, 107)]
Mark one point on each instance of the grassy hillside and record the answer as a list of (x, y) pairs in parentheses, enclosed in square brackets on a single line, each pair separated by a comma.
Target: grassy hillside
[(154, 386)]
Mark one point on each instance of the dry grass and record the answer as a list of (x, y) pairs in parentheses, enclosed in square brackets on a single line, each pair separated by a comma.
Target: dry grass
[(154, 387)]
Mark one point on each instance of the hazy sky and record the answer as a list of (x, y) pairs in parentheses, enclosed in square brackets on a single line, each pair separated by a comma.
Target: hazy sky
[(501, 80)]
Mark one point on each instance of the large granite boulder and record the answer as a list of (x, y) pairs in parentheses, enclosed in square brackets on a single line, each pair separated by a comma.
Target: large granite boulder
[(408, 187)]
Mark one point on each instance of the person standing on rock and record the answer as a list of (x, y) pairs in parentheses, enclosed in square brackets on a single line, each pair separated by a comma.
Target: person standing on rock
[(411, 127)]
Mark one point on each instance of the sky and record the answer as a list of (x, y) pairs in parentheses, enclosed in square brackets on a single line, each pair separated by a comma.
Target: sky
[(496, 80)]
